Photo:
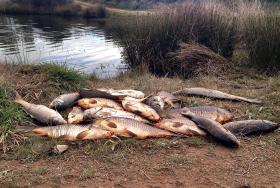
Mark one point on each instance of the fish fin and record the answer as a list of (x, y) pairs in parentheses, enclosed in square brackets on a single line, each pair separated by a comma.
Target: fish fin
[(97, 121), (18, 97), (68, 138), (112, 125), (105, 113), (83, 134), (177, 124), (131, 133), (40, 131)]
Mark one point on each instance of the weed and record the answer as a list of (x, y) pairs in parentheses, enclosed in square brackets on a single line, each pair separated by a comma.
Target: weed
[(10, 115)]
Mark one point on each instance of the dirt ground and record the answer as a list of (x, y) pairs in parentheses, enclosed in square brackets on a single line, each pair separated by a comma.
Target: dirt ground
[(166, 162)]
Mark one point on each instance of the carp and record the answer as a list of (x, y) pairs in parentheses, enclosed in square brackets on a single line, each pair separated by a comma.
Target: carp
[(103, 112), (181, 125), (98, 93), (156, 102), (210, 93), (170, 99), (141, 109), (131, 128), (248, 127), (125, 92), (76, 116), (215, 129), (87, 103), (41, 113), (64, 101), (73, 132), (211, 112)]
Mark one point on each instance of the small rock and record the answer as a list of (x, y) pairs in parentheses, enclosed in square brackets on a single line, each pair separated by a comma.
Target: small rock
[(59, 149)]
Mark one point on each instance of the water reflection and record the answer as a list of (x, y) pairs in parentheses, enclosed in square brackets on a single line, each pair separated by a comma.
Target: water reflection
[(86, 45)]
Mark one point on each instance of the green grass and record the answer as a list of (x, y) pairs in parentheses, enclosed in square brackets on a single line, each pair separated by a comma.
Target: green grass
[(10, 115), (65, 77)]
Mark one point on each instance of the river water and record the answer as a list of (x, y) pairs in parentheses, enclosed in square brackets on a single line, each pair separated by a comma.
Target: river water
[(87, 45)]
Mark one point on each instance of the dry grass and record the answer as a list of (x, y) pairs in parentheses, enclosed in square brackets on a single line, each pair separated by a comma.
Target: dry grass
[(197, 60), (153, 36)]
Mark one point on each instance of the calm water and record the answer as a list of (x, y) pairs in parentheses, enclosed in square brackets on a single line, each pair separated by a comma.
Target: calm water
[(84, 44)]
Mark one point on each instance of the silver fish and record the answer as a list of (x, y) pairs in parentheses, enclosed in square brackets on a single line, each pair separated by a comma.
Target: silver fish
[(73, 132), (210, 93), (64, 101), (247, 127), (40, 112), (125, 92)]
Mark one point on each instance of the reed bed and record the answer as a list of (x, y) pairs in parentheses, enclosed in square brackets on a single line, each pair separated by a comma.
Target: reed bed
[(217, 25)]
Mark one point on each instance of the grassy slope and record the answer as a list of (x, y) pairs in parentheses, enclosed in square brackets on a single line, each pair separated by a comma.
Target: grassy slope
[(176, 162)]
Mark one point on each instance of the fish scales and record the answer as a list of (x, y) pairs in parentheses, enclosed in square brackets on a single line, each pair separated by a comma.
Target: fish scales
[(248, 127), (215, 129), (131, 128)]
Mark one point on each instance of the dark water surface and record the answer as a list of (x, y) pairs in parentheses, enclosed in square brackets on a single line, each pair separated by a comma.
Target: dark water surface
[(87, 45)]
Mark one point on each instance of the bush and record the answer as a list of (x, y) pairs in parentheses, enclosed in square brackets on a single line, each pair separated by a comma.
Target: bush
[(209, 23), (39, 3)]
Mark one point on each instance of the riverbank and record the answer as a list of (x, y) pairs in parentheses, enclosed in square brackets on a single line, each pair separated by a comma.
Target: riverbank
[(142, 163), (50, 7)]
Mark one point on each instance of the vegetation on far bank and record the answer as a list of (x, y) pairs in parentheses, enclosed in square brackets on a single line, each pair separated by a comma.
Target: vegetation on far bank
[(154, 40), (52, 7)]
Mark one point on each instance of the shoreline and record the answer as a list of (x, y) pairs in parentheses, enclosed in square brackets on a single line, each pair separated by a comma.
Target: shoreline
[(87, 161)]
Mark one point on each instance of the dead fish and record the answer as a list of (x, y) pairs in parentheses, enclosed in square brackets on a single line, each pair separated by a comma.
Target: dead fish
[(98, 93), (175, 113), (211, 112), (213, 94), (64, 101), (181, 125), (103, 112), (40, 112), (248, 127), (73, 132), (127, 92), (131, 128), (140, 109), (156, 102), (170, 99), (215, 129), (76, 116), (87, 103)]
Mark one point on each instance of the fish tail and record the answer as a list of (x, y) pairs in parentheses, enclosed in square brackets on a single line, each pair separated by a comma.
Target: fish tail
[(18, 97)]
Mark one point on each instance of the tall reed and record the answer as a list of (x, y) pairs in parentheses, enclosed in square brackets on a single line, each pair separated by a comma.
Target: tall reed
[(260, 30), (150, 39)]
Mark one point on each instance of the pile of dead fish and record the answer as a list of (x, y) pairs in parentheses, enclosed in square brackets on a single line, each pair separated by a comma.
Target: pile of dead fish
[(104, 113)]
